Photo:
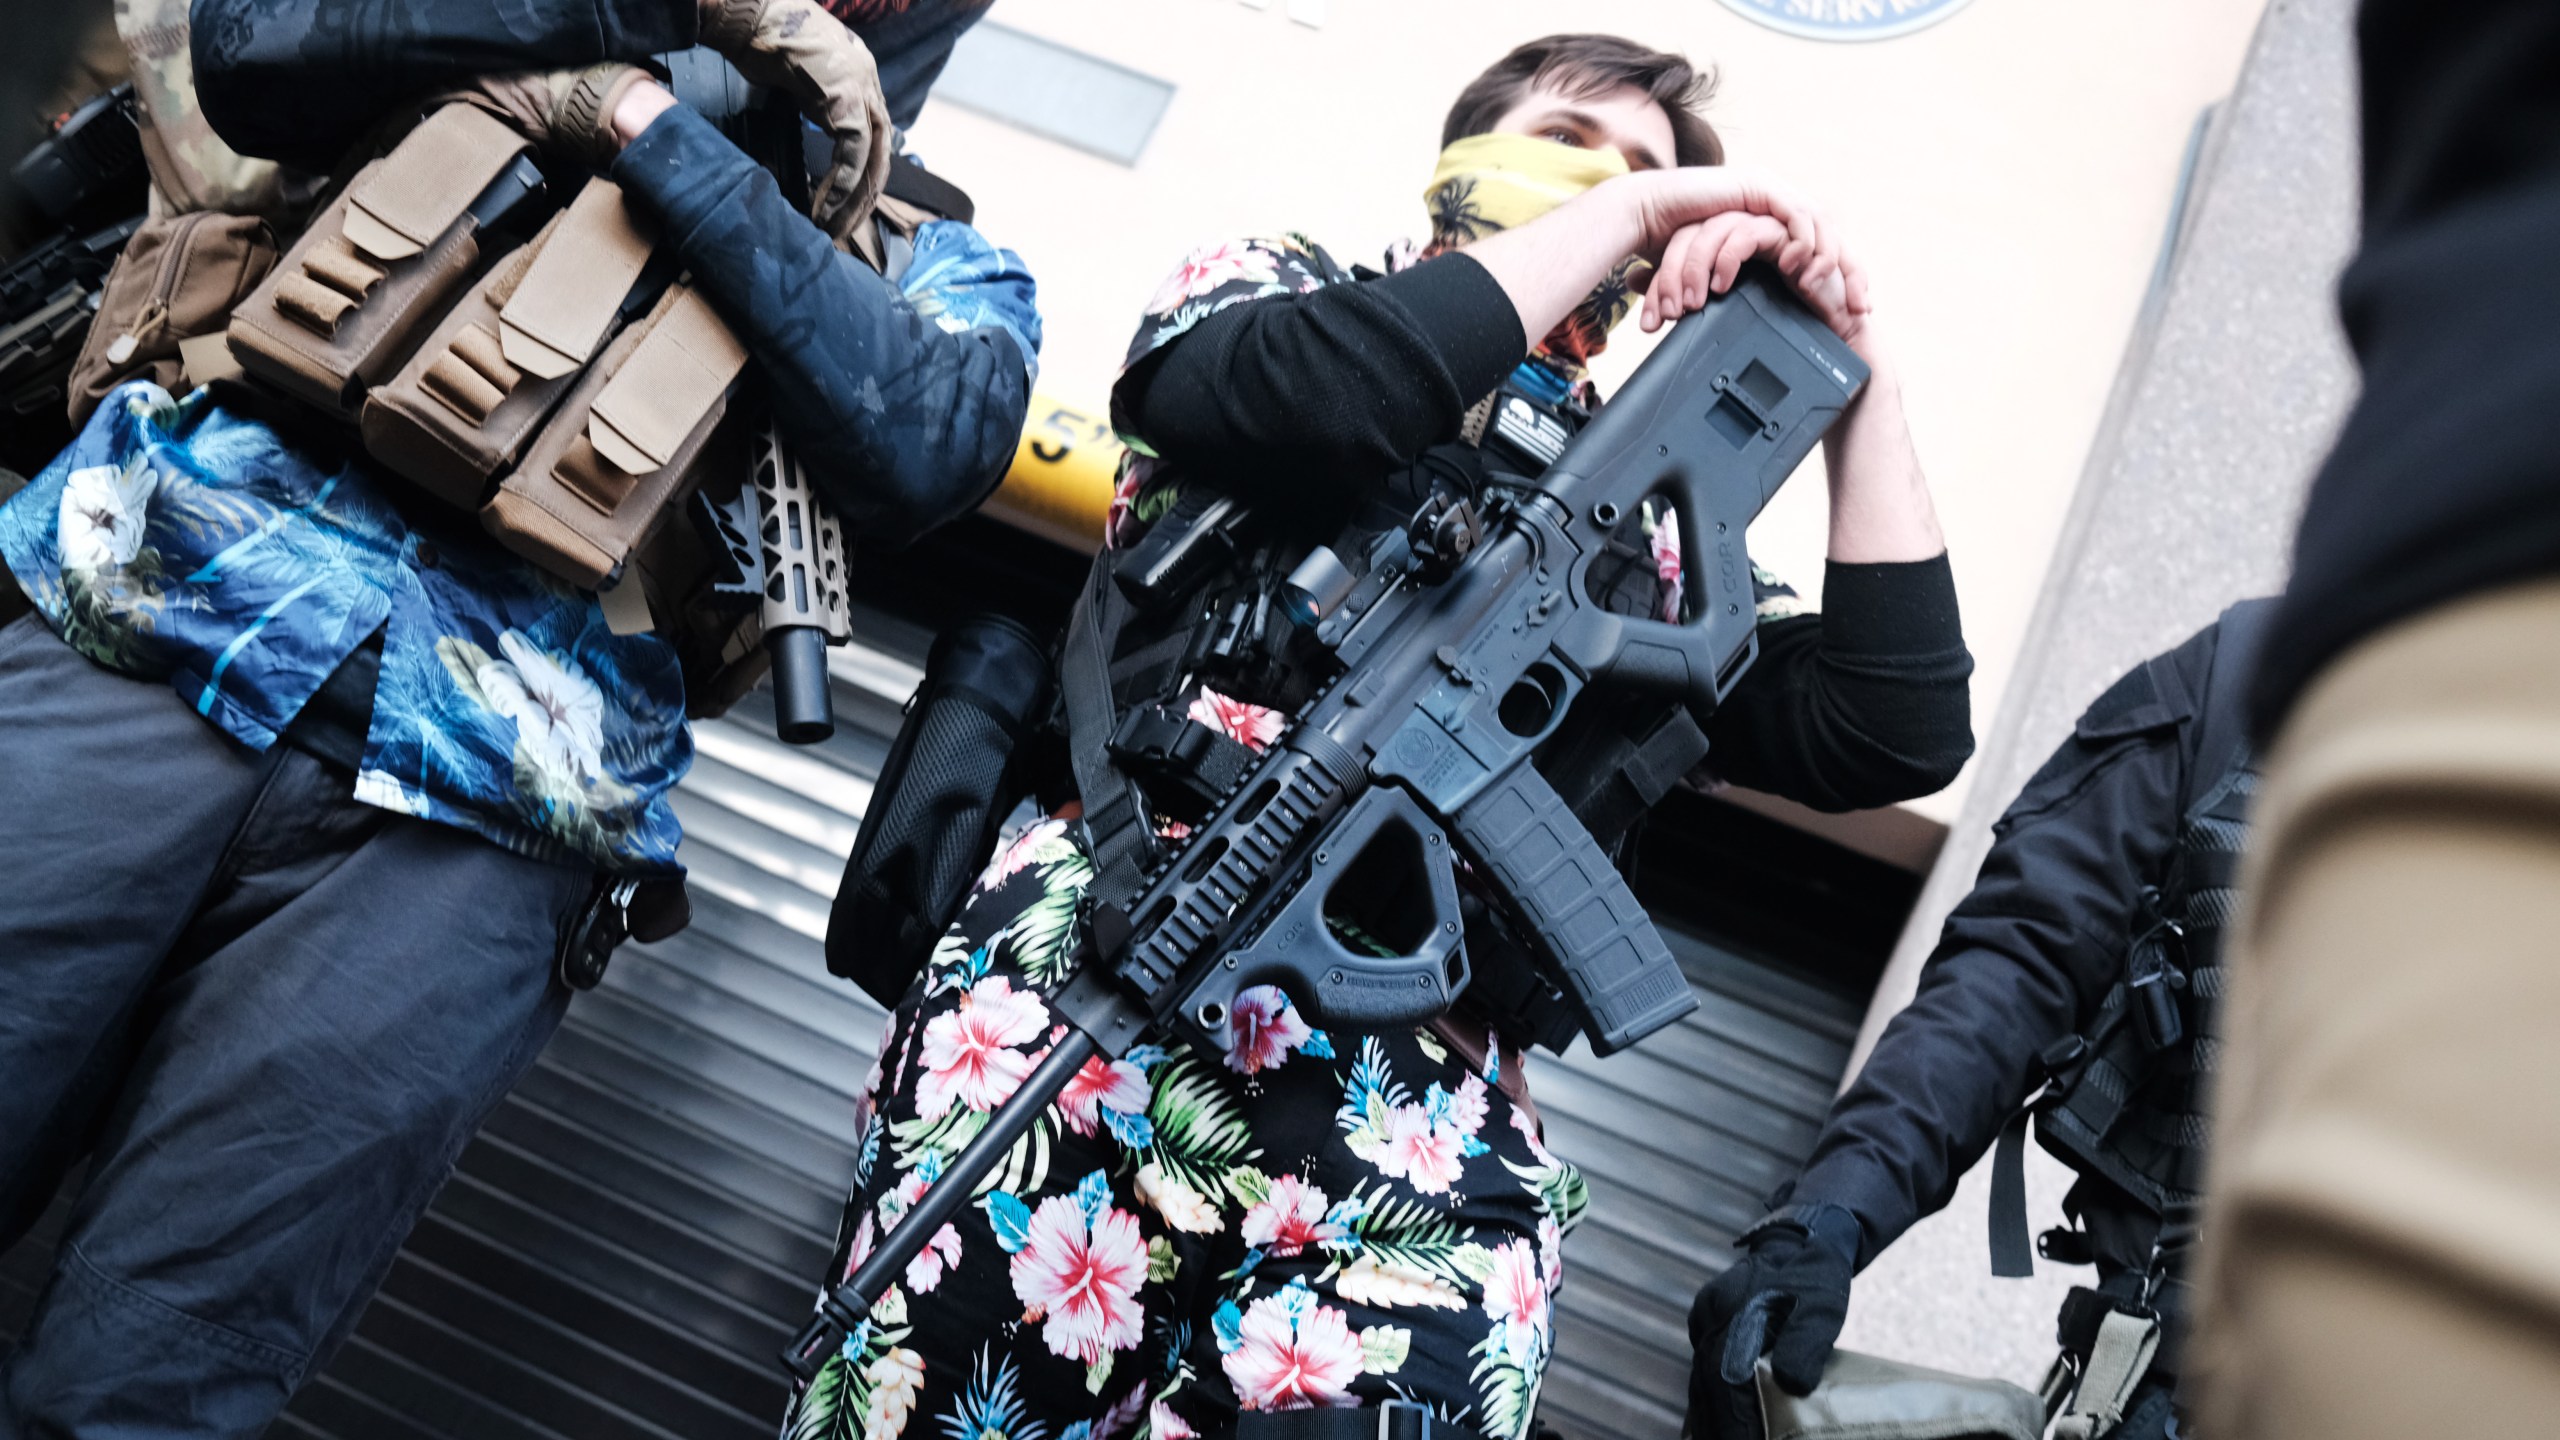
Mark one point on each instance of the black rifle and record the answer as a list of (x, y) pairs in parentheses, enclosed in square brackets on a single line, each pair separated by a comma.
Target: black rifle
[(88, 168), (48, 297), (1454, 669)]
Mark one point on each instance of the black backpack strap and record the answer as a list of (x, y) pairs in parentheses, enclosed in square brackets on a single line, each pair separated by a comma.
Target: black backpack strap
[(1122, 841)]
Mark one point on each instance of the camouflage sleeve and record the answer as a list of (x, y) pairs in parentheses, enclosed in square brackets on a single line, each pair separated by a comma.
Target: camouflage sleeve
[(907, 406), (300, 80)]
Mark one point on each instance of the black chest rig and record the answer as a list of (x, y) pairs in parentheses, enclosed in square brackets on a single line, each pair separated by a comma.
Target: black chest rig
[(1218, 602), (2126, 1108), (2125, 1100), (2128, 1098)]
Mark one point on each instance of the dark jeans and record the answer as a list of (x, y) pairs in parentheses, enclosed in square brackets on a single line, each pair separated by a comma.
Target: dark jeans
[(272, 1016)]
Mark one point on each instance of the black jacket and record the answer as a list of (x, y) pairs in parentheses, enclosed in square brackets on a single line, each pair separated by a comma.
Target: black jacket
[(2446, 477), (2026, 958), (903, 424)]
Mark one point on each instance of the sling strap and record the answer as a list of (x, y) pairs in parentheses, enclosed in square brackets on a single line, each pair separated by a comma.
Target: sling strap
[(1115, 811), (2117, 1363), (1394, 1420), (2011, 1259)]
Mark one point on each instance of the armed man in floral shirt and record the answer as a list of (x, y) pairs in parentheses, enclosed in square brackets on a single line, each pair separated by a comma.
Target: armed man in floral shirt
[(304, 785), (1270, 1239)]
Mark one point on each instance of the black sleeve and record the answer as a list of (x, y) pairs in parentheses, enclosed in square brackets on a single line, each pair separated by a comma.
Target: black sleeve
[(2023, 961), (1331, 389), (902, 424), (300, 80), (1865, 704)]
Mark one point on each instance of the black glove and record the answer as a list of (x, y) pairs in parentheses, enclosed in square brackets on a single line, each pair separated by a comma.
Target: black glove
[(1787, 1296)]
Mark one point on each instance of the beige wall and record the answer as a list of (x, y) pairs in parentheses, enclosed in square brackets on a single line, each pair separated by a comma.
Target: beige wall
[(2004, 175)]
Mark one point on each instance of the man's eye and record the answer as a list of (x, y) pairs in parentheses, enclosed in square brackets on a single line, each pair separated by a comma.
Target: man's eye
[(1563, 136)]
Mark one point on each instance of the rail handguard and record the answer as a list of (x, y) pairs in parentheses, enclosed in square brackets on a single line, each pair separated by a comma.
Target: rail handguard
[(1419, 751)]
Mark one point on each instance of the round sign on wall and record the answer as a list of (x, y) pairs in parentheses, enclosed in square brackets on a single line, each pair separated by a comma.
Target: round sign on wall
[(1847, 19)]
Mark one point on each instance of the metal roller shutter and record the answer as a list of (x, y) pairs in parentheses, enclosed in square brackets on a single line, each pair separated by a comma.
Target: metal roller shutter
[(636, 1231), (632, 1236)]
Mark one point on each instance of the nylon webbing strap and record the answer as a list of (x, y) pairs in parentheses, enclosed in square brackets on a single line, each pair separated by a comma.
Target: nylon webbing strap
[(1394, 1420), (2012, 1257), (1115, 813), (2117, 1364)]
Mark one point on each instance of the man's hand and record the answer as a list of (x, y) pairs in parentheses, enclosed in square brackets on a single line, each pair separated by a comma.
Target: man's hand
[(571, 115), (796, 47), (1664, 203), (1787, 1297), (639, 105), (1701, 259), (1549, 264), (1880, 506)]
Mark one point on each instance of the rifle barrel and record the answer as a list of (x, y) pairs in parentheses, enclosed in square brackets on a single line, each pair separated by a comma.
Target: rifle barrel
[(845, 1307)]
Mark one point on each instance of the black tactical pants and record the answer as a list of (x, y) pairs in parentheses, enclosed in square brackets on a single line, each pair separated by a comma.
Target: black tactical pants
[(272, 1015)]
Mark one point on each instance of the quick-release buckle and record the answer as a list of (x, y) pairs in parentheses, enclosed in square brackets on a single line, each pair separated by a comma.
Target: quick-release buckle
[(1387, 1415), (1156, 735), (602, 924), (2060, 1379)]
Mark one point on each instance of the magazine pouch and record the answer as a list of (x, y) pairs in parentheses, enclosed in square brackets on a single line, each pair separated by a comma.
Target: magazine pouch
[(616, 453), (463, 408), (383, 262)]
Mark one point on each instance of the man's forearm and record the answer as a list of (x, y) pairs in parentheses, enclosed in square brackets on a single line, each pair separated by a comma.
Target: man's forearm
[(1548, 265), (904, 424), (1946, 1073), (1880, 506), (300, 80)]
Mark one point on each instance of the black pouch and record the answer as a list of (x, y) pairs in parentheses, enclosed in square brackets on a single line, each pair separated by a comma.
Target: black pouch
[(951, 777)]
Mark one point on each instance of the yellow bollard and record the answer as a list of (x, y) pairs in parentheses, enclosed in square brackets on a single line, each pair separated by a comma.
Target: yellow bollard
[(1062, 477)]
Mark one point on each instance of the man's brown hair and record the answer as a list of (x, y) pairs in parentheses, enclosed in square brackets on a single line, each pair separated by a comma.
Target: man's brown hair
[(1586, 66)]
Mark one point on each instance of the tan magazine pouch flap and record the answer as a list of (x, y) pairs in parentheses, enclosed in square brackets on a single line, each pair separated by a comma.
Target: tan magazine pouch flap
[(378, 266), (663, 392), (457, 413), (462, 409), (404, 204), (565, 303), (622, 446)]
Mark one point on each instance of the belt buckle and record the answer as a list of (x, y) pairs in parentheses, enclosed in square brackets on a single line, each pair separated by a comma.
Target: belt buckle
[(1387, 1419)]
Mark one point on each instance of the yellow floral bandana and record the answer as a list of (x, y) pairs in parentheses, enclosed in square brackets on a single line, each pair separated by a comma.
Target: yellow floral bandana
[(1486, 183)]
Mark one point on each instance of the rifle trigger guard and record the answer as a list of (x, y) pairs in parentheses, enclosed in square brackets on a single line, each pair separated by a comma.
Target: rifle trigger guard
[(1381, 878)]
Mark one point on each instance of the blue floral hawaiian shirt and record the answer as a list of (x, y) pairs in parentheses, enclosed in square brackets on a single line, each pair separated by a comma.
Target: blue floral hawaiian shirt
[(176, 539)]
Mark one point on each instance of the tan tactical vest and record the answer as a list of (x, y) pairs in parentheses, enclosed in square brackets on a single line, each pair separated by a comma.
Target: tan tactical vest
[(533, 381)]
